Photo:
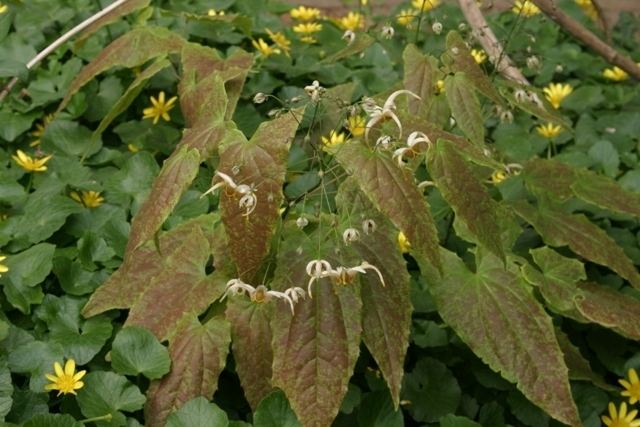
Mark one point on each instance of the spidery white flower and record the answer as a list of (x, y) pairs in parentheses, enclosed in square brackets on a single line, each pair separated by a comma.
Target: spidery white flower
[(388, 32), (383, 142), (302, 222), (349, 36), (350, 235), (261, 294), (368, 226), (319, 269), (314, 90), (414, 139), (247, 193), (387, 111)]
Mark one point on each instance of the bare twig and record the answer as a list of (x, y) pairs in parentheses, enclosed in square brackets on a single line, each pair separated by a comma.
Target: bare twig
[(60, 41), (588, 38), (485, 35), (602, 20)]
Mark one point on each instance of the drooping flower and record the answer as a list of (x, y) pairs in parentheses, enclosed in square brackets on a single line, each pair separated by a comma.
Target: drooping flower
[(525, 8), (405, 17), (280, 40), (356, 125), (620, 418), (414, 139), (314, 90), (616, 74), (632, 387), (30, 164), (247, 193), (388, 31), (403, 243), (3, 8), (88, 199), (305, 14), (349, 36), (3, 268), (556, 92), (65, 381), (350, 235), (353, 21), (333, 140), (387, 111), (498, 176), (425, 5), (549, 130), (264, 48), (261, 294), (159, 108), (40, 128), (368, 226), (320, 268), (437, 27), (479, 55)]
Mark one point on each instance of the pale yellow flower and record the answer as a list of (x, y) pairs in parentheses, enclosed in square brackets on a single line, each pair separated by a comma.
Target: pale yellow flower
[(67, 380), (308, 39), (364, 2), (30, 164), (632, 387), (353, 21), (405, 17), (264, 48), (616, 74), (333, 140), (356, 125), (280, 40), (89, 199), (498, 176), (305, 14), (159, 108), (425, 5), (403, 243), (479, 55), (307, 28), (3, 268), (439, 86), (212, 12), (621, 418), (3, 8), (549, 130), (525, 8), (556, 92), (40, 128)]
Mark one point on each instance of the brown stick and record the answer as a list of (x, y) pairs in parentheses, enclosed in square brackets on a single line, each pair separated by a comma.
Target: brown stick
[(602, 20), (588, 38), (485, 35)]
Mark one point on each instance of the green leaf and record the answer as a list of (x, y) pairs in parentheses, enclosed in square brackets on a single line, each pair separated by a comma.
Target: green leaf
[(377, 410), (6, 389), (495, 314), (114, 15), (14, 125), (418, 77), (132, 49), (605, 154), (559, 228), (198, 355), (198, 412), (465, 107), (393, 192), (163, 285), (432, 390), (261, 162), (274, 411), (136, 351), (251, 332), (52, 420), (108, 393), (468, 198), (579, 367), (549, 178), (362, 41), (451, 420), (37, 359), (27, 269)]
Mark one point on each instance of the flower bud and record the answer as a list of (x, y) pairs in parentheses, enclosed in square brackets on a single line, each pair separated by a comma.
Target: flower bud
[(437, 27), (259, 98)]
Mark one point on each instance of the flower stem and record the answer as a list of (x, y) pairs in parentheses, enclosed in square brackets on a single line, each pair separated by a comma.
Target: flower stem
[(107, 417)]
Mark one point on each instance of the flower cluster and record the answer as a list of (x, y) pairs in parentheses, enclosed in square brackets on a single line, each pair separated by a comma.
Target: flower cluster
[(407, 16), (379, 114), (414, 139), (247, 193), (525, 8), (307, 24), (621, 417), (320, 268), (261, 294)]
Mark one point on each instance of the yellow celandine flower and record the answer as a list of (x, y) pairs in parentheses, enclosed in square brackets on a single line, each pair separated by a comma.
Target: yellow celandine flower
[(89, 199), (356, 125), (549, 130), (40, 128), (308, 39), (307, 28), (588, 8), (479, 55), (556, 92), (3, 268), (405, 17), (620, 418), (498, 176), (264, 48), (525, 8), (212, 12), (425, 5), (305, 14), (403, 243), (364, 2), (333, 140), (30, 164), (632, 387), (3, 8), (616, 74), (159, 108), (439, 86), (280, 40), (65, 381), (353, 21)]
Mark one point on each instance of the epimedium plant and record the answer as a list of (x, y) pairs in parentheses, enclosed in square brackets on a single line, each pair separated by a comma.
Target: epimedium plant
[(294, 280)]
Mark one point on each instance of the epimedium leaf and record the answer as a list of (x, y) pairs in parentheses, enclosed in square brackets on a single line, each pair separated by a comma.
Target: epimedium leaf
[(315, 350), (469, 199), (606, 193), (114, 15), (465, 107), (579, 367), (132, 49), (549, 177), (109, 393), (544, 112), (260, 162), (161, 286), (274, 411), (462, 61), (198, 412), (198, 354), (136, 350), (251, 333), (386, 310), (495, 314), (393, 192), (418, 77), (558, 228)]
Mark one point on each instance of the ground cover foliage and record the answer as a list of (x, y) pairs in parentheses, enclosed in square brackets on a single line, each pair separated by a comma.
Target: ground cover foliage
[(338, 221)]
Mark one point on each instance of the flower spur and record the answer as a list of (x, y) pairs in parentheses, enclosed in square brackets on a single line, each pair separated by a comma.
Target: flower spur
[(387, 111), (248, 199), (319, 269), (414, 139), (261, 294)]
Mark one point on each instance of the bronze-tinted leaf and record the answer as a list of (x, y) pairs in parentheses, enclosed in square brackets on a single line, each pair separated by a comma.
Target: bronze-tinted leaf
[(132, 49), (579, 367), (251, 332), (468, 198), (393, 192), (604, 192), (465, 107), (495, 314), (124, 9), (260, 162), (559, 228), (418, 77), (198, 355), (610, 309), (549, 178)]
